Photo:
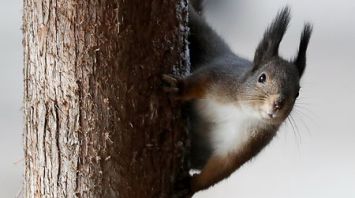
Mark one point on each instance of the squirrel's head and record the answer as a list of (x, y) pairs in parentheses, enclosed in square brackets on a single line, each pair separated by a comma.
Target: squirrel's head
[(273, 83)]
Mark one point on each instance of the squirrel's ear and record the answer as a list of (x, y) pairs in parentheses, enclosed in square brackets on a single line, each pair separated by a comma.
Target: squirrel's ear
[(300, 60), (269, 45)]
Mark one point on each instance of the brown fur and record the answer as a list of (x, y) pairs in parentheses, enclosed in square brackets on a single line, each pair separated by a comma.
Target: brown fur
[(221, 167), (189, 88), (192, 88)]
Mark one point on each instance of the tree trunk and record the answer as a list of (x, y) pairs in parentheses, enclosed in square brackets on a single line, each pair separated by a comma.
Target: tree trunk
[(96, 121)]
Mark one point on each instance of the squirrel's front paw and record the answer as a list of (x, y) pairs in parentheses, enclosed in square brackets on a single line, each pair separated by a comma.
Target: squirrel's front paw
[(172, 85)]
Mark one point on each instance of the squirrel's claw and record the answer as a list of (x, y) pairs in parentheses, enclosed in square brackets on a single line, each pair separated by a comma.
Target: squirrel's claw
[(176, 86), (172, 84), (169, 79), (170, 90)]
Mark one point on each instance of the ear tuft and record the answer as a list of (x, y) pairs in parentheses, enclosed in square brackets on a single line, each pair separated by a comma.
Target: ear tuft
[(300, 60), (269, 45)]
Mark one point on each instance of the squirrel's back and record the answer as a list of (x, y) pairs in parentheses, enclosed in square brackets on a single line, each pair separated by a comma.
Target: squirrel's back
[(206, 46)]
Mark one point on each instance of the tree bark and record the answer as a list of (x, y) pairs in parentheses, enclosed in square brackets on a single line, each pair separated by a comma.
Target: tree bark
[(96, 121)]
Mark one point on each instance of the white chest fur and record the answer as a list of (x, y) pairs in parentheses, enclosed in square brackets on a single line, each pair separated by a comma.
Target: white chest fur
[(230, 124)]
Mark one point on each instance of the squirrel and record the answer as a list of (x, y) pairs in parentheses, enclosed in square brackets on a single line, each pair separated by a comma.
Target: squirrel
[(237, 105)]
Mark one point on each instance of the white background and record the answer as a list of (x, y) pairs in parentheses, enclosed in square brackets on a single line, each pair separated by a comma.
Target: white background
[(315, 160), (11, 157)]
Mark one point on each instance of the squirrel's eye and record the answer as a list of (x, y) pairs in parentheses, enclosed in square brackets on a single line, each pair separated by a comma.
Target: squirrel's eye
[(262, 78)]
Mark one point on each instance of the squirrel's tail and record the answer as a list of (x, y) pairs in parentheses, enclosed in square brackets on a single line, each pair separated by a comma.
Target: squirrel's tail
[(204, 43), (197, 5)]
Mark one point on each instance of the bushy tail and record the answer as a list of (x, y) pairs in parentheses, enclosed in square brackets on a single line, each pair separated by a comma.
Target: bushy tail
[(197, 5), (205, 44)]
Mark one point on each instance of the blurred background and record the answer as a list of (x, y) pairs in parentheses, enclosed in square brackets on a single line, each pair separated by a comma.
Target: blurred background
[(312, 157), (11, 157)]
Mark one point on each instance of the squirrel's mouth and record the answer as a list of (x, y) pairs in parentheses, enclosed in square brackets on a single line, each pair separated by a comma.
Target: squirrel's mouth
[(271, 115), (268, 116)]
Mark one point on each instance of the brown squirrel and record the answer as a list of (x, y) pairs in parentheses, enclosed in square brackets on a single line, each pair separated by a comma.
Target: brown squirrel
[(237, 105)]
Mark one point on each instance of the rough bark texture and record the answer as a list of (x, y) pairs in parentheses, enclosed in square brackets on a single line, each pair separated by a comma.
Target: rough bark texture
[(96, 121)]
